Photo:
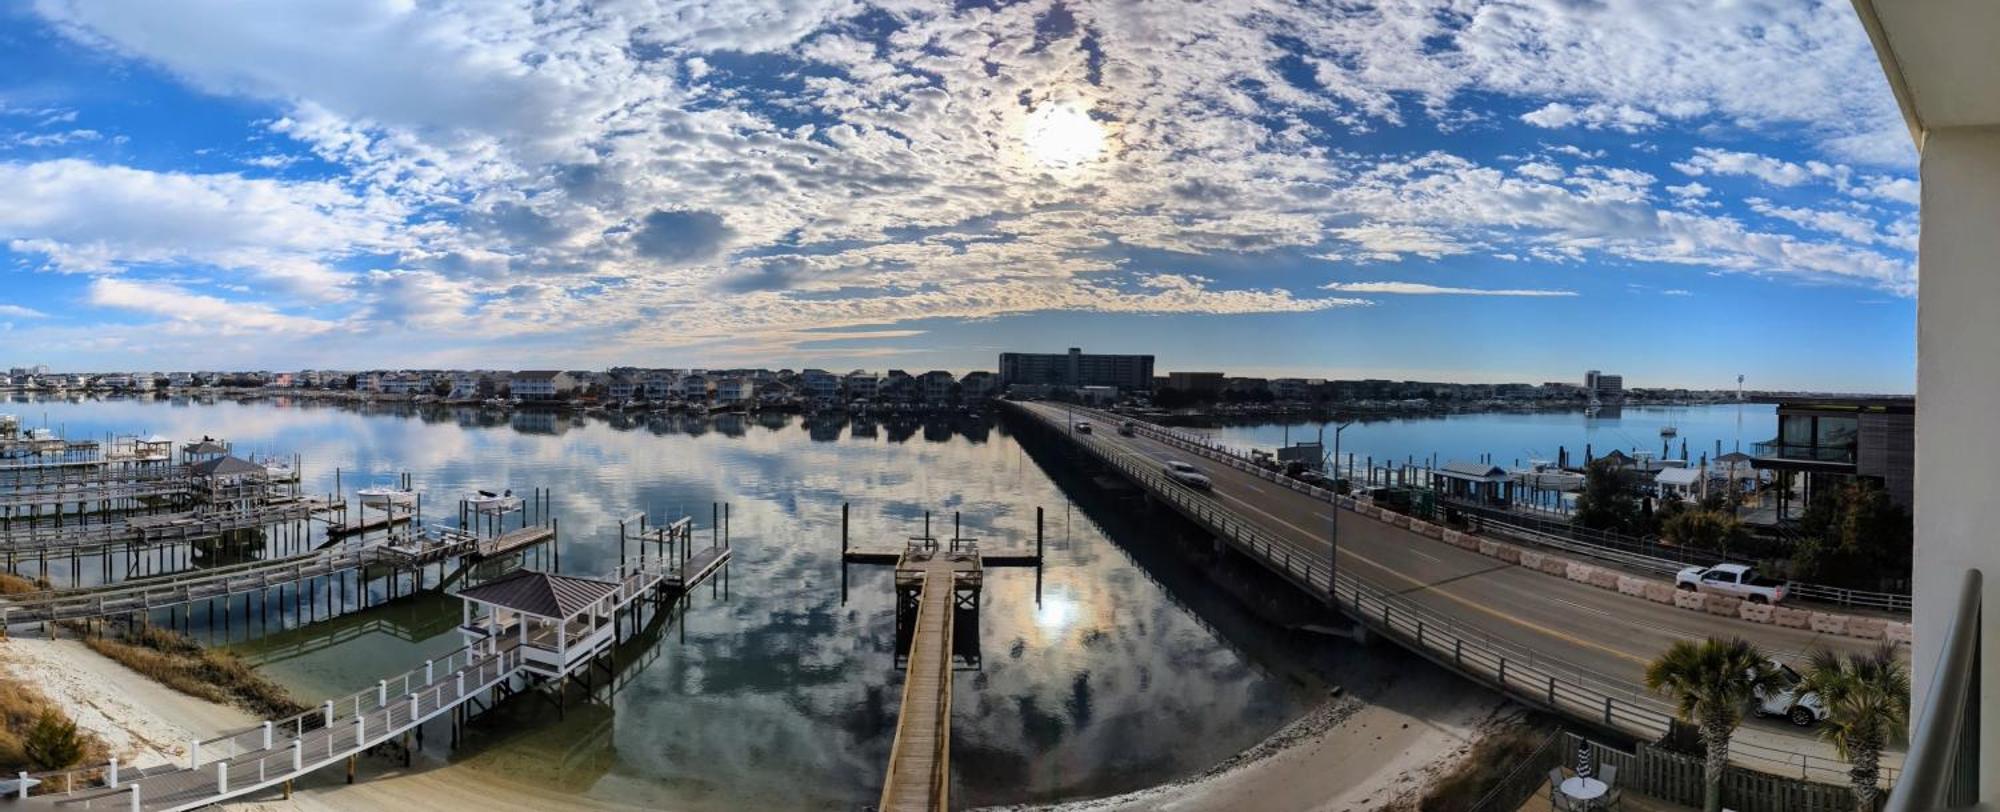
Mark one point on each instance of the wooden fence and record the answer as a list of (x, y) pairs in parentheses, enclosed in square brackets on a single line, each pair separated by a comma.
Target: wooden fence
[(1677, 778)]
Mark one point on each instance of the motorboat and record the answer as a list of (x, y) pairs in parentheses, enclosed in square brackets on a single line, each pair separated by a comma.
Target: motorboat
[(490, 502), (1669, 430), (1547, 476), (385, 496)]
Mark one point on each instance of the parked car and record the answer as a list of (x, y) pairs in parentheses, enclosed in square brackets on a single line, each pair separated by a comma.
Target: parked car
[(1188, 475), (1083, 427), (1127, 428), (1785, 700), (1735, 580)]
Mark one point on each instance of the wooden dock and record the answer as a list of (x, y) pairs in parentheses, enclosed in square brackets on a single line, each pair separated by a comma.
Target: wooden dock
[(919, 773), (516, 539)]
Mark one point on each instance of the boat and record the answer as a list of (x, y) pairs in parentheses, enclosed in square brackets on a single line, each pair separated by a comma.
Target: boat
[(490, 502), (386, 496), (1668, 430), (1547, 476)]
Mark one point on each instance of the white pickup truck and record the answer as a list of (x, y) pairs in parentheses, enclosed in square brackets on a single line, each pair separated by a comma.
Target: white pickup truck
[(1735, 580)]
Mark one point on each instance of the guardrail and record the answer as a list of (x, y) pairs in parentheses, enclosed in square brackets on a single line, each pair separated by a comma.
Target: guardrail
[(1521, 672), (1944, 766)]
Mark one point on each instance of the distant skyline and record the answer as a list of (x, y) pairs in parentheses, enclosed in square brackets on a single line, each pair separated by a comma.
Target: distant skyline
[(1677, 192)]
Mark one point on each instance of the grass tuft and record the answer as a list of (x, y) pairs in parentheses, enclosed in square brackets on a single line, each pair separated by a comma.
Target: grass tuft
[(178, 662)]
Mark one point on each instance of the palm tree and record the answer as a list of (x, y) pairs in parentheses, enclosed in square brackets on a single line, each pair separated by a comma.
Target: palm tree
[(1867, 700), (1711, 682)]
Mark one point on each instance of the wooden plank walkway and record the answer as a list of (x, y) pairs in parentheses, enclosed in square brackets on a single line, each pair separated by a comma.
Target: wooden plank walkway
[(182, 588), (920, 761), (515, 539)]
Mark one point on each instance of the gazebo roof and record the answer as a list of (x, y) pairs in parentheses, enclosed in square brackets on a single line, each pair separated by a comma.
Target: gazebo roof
[(1678, 476), (206, 447), (227, 466), (1479, 471), (1735, 457), (541, 594)]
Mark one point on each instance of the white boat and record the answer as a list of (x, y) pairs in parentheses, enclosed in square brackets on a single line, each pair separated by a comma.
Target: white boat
[(1548, 476), (1668, 430), (490, 502), (384, 497)]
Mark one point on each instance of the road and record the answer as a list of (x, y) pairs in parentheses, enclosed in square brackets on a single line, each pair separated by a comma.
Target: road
[(1600, 630)]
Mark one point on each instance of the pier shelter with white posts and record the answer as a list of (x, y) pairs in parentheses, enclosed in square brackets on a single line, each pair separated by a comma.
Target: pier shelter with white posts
[(558, 621)]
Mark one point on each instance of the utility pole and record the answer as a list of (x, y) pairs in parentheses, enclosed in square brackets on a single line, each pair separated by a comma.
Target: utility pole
[(1333, 516)]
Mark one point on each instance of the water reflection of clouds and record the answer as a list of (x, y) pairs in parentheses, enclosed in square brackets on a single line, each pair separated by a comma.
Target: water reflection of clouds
[(782, 697)]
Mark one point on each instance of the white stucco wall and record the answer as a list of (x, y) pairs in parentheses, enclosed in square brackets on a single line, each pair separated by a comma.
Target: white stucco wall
[(1958, 401)]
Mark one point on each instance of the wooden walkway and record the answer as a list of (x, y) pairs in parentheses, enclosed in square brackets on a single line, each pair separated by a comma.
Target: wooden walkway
[(515, 539), (919, 776)]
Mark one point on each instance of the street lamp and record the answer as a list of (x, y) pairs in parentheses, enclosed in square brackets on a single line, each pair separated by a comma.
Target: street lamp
[(1333, 515)]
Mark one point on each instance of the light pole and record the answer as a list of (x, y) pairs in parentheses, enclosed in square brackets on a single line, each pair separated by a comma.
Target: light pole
[(1333, 515)]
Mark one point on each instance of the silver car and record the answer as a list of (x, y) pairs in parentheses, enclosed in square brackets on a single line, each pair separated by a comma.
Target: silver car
[(1188, 475)]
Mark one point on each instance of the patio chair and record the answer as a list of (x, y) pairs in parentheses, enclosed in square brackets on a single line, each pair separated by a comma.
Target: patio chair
[(1614, 796), (1557, 800)]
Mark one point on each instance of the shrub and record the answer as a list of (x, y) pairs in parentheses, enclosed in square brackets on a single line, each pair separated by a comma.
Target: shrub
[(54, 742)]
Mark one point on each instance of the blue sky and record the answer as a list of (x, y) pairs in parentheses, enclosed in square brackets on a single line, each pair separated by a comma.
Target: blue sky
[(1424, 188)]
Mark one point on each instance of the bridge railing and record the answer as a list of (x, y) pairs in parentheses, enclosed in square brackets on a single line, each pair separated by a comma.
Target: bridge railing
[(1621, 551), (1520, 671), (181, 588)]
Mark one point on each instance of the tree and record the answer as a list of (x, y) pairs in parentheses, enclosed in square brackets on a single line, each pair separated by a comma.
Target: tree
[(1852, 535), (1609, 500), (1701, 529), (54, 743), (1710, 682), (1867, 699)]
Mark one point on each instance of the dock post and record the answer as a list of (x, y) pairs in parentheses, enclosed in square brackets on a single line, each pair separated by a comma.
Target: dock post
[(194, 754), (350, 768), (267, 740), (222, 777), (298, 755), (555, 541), (1038, 536), (725, 525), (714, 523), (843, 531), (112, 780), (135, 796)]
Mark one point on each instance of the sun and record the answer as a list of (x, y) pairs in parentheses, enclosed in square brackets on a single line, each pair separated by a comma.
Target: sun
[(1062, 136)]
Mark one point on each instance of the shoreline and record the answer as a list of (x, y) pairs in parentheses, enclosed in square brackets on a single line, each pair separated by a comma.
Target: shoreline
[(1373, 747)]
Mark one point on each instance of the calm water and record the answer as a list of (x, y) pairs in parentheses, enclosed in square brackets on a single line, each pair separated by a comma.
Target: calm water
[(1516, 438), (1127, 673)]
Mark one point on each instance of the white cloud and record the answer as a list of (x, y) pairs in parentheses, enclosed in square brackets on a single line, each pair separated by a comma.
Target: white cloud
[(15, 311), (1421, 289), (1621, 117), (1774, 171), (195, 312)]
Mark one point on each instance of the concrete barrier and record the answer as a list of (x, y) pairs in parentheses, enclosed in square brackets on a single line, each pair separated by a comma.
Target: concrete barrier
[(1723, 605), (1828, 623), (1690, 600), (1604, 578), (1398, 519), (1897, 632), (1866, 628), (1632, 585), (1790, 618), (1755, 612), (1511, 555), (1558, 567), (1427, 529), (1578, 572), (1531, 559), (1659, 592)]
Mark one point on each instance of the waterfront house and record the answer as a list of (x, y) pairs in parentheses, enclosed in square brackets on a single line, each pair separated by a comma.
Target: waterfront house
[(1678, 483), (820, 385), (937, 386), (898, 386), (977, 386), (540, 384), (695, 387), (1828, 442), (622, 387), (732, 392), (659, 384), (862, 385)]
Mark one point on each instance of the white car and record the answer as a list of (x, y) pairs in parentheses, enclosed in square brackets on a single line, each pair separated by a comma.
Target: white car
[(1784, 699), (1188, 475), (1736, 580)]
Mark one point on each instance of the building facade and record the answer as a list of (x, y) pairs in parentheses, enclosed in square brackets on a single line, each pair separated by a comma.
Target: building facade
[(1129, 373)]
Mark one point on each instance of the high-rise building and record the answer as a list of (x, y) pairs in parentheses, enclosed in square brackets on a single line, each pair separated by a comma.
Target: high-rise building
[(1604, 386), (1130, 373)]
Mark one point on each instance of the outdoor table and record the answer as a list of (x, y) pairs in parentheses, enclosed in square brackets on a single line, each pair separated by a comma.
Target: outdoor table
[(1584, 789)]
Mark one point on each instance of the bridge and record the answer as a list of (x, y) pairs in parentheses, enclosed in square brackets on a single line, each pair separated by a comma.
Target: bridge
[(506, 656), (1548, 642)]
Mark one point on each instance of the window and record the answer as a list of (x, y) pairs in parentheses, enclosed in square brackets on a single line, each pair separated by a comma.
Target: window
[(1795, 429), (1836, 432)]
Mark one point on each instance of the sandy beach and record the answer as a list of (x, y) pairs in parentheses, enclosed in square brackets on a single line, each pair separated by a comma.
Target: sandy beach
[(1348, 754), (144, 722)]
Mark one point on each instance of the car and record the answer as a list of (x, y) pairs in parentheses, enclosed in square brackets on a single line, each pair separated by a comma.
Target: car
[(1783, 698), (1127, 428), (1083, 427), (1188, 475), (1735, 580)]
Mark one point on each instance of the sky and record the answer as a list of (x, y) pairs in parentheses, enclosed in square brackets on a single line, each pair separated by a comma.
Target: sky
[(1439, 189)]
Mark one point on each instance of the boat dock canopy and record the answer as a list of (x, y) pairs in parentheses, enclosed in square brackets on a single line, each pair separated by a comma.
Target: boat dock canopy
[(1473, 471), (541, 594)]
